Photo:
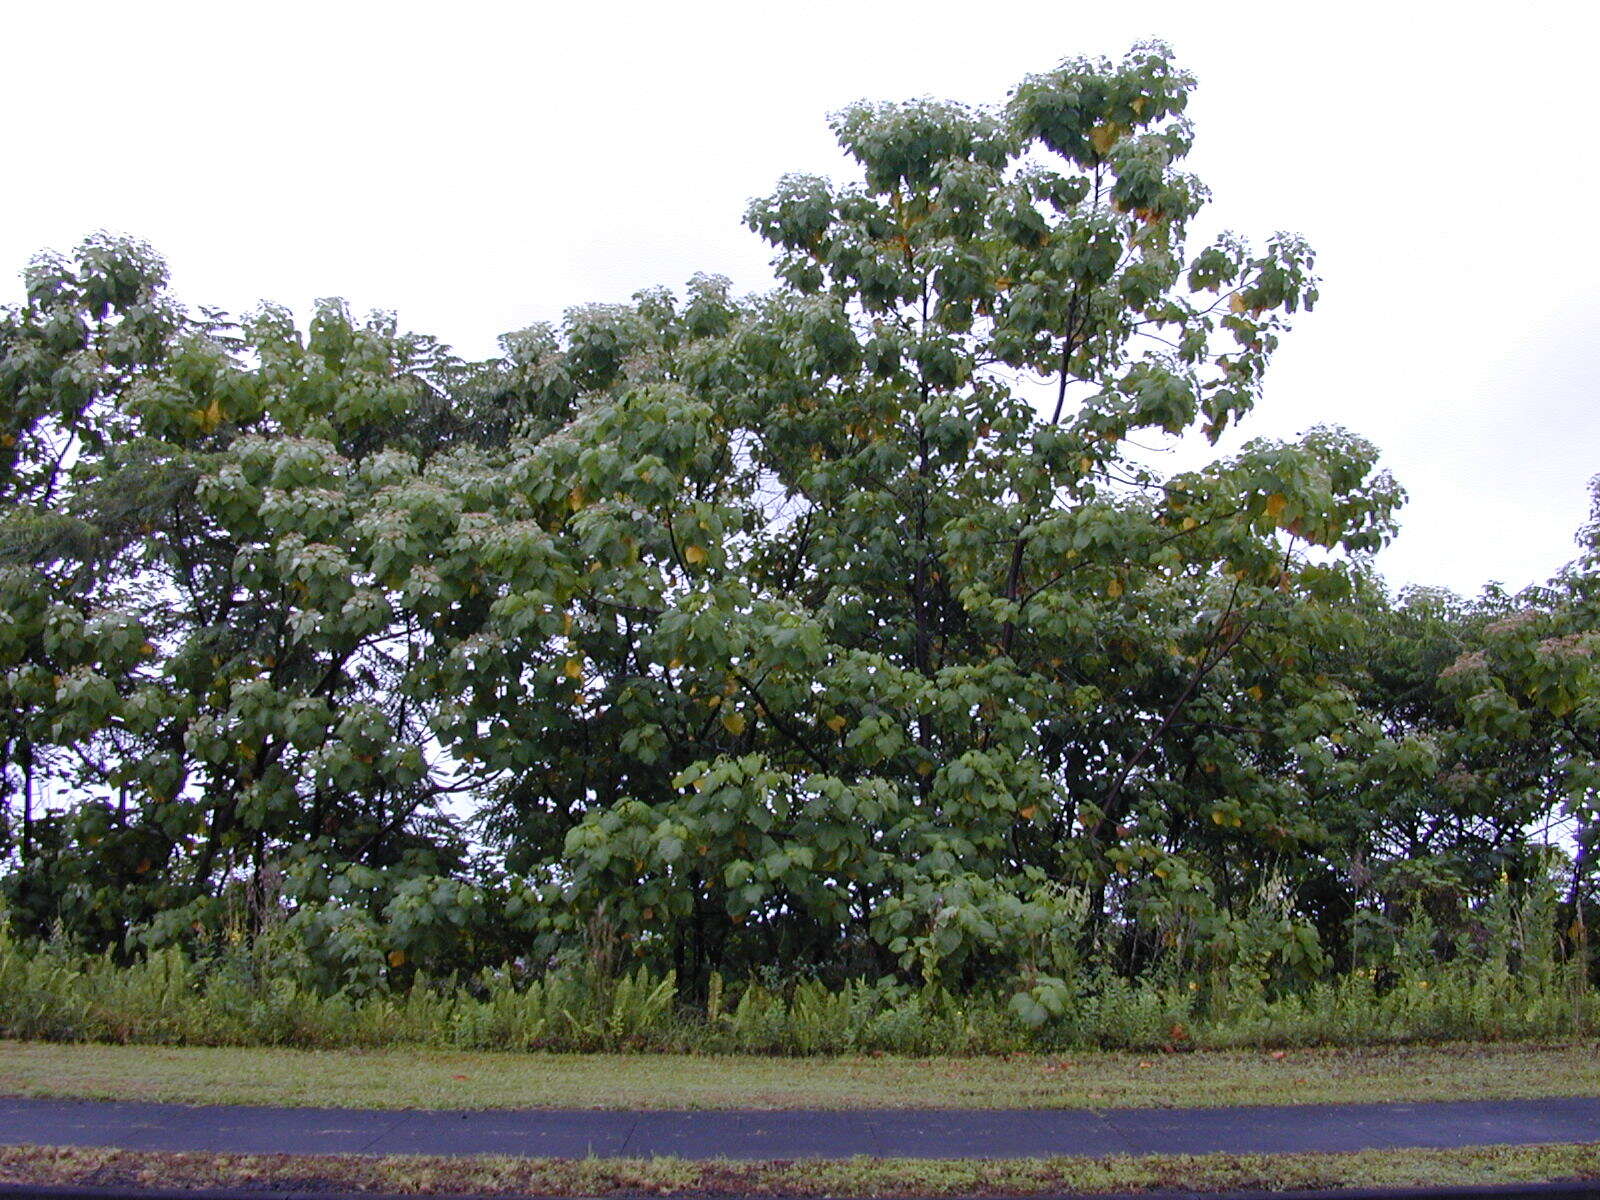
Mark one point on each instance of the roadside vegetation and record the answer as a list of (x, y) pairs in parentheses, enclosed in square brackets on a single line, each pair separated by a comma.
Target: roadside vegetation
[(827, 671), (433, 1079), (53, 992), (49, 1165)]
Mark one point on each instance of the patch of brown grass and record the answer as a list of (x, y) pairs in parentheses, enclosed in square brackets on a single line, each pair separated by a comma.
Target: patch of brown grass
[(856, 1177)]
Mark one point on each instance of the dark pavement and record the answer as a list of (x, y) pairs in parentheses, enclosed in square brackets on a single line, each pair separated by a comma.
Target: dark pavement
[(798, 1134)]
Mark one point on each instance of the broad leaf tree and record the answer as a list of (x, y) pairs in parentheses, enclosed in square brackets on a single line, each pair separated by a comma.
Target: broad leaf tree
[(825, 631), (843, 628)]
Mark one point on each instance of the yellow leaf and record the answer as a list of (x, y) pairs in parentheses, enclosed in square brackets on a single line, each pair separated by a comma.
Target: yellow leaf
[(1217, 817), (147, 648), (1276, 503), (210, 416), (566, 624), (1236, 303), (924, 768), (1114, 588), (572, 668), (1254, 692), (674, 663), (1137, 104), (648, 913), (1189, 523), (1085, 464), (575, 499), (835, 723), (1104, 137), (733, 722), (1028, 813), (397, 958), (694, 555)]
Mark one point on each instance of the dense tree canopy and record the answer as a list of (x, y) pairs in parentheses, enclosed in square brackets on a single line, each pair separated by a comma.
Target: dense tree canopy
[(842, 627)]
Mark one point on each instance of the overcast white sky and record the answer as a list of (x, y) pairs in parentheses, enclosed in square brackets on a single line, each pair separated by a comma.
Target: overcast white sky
[(479, 166)]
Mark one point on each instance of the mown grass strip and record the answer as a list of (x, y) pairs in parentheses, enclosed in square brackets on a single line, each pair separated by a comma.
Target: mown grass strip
[(442, 1079), (933, 1179)]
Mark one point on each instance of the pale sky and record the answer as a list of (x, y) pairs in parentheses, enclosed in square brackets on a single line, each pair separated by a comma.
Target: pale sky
[(479, 166)]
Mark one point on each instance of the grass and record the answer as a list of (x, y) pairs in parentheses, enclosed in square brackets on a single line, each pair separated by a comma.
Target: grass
[(887, 1177), (416, 1078)]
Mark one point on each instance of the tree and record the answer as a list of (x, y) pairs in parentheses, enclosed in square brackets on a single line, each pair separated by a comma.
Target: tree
[(1528, 690), (91, 326), (842, 627), (820, 642), (194, 629)]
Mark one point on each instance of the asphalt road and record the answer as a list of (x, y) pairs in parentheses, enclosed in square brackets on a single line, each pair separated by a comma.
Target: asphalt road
[(942, 1133)]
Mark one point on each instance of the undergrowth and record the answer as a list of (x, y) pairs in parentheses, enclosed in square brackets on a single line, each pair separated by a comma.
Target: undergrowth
[(48, 991)]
